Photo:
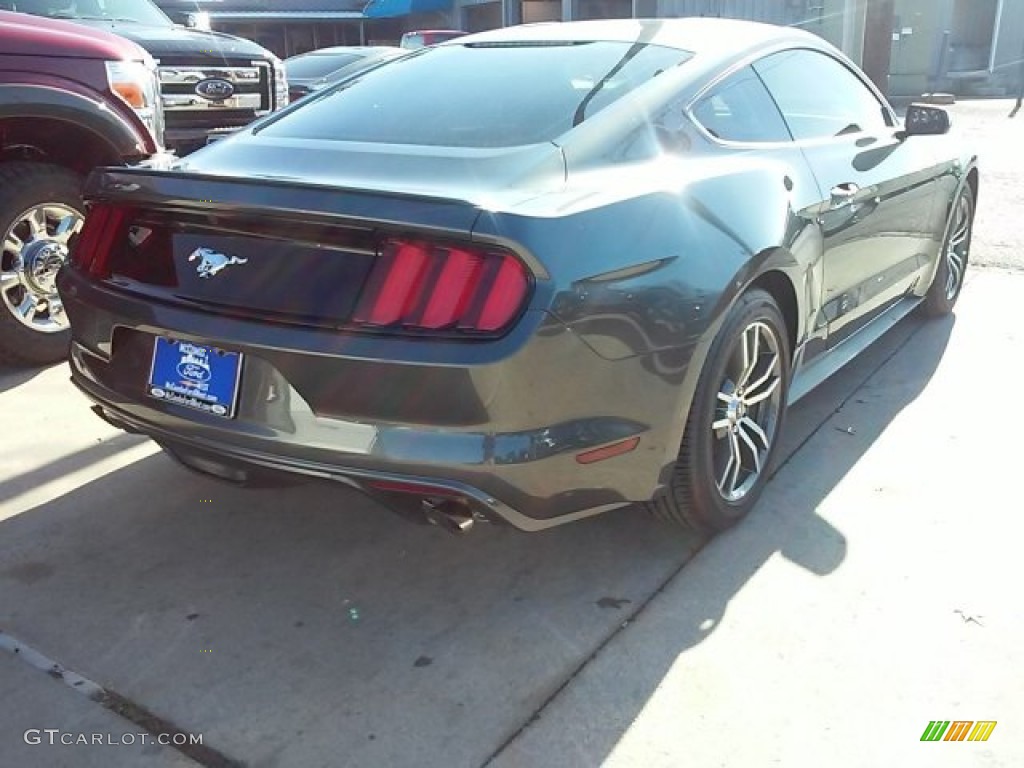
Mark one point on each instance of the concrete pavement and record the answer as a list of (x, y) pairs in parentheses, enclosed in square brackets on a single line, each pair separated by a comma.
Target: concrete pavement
[(873, 590)]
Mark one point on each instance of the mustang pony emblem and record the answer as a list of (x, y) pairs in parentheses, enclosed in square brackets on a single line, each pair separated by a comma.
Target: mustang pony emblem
[(211, 262)]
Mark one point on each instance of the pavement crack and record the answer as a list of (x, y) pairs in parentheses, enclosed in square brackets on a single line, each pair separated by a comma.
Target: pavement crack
[(620, 627), (120, 705)]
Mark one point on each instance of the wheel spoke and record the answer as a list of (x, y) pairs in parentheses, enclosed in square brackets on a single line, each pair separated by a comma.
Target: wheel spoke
[(765, 394), (725, 474), (750, 356), (27, 309), (754, 386), (37, 221), (732, 467), (57, 314), (748, 423), (956, 266), (959, 238), (753, 448), (720, 424), (13, 243), (8, 280)]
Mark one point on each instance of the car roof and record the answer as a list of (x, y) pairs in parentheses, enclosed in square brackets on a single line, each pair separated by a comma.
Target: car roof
[(696, 35), (339, 49)]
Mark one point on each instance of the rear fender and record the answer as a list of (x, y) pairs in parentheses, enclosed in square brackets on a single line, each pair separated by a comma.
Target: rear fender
[(635, 270), (650, 275)]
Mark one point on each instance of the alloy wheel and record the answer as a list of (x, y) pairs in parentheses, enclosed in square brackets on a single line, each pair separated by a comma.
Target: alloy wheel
[(957, 247), (748, 404)]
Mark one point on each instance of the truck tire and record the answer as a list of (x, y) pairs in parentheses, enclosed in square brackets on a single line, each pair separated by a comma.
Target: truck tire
[(40, 211)]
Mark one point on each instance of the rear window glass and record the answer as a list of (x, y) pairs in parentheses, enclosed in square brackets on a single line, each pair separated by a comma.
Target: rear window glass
[(493, 95), (740, 109), (319, 64)]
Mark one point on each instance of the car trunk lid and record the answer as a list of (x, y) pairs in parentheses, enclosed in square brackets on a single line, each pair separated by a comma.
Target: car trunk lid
[(271, 250), (486, 177)]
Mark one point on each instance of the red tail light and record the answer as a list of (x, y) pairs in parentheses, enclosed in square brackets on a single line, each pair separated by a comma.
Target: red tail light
[(99, 234), (421, 285)]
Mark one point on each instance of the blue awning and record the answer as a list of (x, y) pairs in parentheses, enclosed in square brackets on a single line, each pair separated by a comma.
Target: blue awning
[(386, 9)]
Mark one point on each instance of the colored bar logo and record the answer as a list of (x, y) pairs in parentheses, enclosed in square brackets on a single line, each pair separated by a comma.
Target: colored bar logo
[(959, 730)]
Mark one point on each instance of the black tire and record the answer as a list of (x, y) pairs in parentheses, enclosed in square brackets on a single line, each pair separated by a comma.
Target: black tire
[(953, 258), (695, 497), (24, 186)]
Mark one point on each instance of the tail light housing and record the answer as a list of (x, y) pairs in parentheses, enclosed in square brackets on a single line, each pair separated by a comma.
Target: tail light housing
[(419, 285), (92, 250)]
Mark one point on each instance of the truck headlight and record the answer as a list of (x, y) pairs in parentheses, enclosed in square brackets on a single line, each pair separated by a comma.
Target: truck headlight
[(136, 83)]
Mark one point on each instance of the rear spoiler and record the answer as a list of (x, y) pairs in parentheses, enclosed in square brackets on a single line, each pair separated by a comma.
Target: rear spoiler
[(203, 194)]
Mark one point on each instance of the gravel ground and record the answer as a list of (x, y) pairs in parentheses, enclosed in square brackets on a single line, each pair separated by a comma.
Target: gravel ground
[(999, 231)]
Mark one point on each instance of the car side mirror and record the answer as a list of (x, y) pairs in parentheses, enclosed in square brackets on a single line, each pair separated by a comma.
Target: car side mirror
[(926, 120)]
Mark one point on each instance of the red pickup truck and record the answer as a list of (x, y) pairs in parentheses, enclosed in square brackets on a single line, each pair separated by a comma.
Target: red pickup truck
[(71, 98)]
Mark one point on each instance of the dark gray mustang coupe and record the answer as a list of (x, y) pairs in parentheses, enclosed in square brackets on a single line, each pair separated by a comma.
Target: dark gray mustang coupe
[(526, 275)]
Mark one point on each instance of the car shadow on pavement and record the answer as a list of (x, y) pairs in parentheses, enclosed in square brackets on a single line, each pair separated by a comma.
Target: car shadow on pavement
[(848, 420), (308, 626), (59, 468), (12, 376)]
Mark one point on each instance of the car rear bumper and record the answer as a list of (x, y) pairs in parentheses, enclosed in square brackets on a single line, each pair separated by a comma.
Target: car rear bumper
[(502, 430), (220, 459)]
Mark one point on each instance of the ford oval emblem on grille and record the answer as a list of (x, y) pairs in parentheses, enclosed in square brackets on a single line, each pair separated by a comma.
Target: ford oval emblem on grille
[(215, 89)]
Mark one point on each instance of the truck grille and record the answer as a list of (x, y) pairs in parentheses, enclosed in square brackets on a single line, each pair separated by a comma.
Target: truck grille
[(210, 96)]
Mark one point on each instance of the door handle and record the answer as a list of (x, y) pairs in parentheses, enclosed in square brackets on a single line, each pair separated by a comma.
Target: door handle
[(843, 194)]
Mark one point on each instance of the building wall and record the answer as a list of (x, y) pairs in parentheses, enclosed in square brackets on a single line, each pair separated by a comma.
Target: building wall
[(603, 9), (916, 45), (824, 17), (479, 17), (921, 64), (541, 10), (918, 29), (771, 11), (1010, 44)]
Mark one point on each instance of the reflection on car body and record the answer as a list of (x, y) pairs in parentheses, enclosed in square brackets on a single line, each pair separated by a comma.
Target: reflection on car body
[(316, 70)]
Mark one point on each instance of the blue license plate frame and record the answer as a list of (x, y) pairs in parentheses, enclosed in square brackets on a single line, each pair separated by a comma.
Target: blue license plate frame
[(196, 376)]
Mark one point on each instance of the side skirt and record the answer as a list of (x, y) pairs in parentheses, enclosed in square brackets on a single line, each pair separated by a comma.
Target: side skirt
[(814, 373)]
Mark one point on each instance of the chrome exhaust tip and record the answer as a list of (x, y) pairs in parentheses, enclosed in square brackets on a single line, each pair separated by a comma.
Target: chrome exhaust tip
[(453, 516)]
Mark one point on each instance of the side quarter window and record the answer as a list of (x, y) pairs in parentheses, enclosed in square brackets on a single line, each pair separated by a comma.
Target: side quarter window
[(819, 97), (740, 109)]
